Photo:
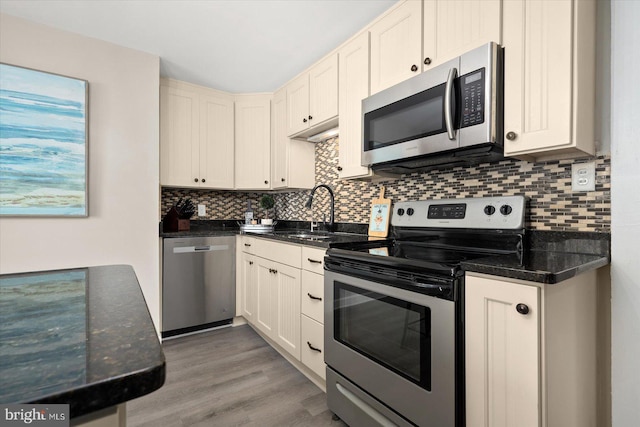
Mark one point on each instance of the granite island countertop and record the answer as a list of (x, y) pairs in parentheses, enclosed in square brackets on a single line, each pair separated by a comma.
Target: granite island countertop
[(82, 336)]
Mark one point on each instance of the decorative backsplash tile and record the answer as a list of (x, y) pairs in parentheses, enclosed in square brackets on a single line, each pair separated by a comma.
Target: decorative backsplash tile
[(552, 204)]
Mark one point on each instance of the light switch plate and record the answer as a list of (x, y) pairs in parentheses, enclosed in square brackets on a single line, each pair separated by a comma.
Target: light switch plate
[(202, 210), (583, 176)]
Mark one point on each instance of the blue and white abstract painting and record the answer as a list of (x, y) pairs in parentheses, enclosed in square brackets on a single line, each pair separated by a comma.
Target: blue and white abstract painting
[(43, 143)]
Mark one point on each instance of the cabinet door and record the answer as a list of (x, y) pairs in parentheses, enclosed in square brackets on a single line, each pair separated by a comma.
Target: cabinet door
[(253, 142), (396, 46), (502, 354), (279, 140), (298, 105), (353, 88), (266, 289), (179, 137), (216, 142), (452, 27), (323, 91), (538, 75), (248, 282), (288, 308)]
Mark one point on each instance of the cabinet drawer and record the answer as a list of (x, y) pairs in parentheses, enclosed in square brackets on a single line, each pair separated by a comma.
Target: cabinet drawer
[(312, 334), (313, 259), (246, 244), (312, 289), (278, 252)]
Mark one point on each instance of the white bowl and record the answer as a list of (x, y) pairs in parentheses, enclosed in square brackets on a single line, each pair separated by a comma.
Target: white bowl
[(266, 221)]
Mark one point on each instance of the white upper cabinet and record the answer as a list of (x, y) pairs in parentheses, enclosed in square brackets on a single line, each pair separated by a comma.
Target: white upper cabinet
[(216, 141), (549, 78), (253, 142), (453, 27), (196, 136), (312, 99), (292, 161), (354, 87), (396, 46)]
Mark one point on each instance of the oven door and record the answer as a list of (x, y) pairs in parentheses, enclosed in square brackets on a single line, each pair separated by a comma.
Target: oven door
[(396, 345)]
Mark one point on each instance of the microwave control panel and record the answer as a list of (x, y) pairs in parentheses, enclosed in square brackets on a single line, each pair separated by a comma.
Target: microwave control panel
[(472, 87)]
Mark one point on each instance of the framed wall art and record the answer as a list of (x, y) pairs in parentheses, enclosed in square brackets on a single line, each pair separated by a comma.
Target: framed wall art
[(43, 144)]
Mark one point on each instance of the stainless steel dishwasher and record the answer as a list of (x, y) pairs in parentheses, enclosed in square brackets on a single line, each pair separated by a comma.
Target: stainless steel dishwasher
[(198, 283)]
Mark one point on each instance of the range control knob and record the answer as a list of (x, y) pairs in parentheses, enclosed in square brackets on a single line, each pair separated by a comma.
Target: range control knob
[(489, 210), (505, 209), (400, 211), (410, 211)]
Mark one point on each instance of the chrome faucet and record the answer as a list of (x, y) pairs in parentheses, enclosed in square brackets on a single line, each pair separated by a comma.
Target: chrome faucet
[(310, 201)]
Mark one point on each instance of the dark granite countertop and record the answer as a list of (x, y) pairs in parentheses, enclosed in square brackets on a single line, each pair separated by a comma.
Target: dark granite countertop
[(83, 337), (549, 257)]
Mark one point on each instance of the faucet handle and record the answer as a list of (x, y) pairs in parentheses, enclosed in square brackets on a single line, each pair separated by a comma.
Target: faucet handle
[(314, 225)]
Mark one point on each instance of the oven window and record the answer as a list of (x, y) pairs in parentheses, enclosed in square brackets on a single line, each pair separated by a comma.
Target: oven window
[(394, 333)]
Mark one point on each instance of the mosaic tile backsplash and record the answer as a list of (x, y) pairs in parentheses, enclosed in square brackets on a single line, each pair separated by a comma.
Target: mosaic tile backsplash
[(552, 204)]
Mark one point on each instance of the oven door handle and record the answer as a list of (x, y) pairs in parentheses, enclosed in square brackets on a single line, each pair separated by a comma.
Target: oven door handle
[(364, 407), (433, 290)]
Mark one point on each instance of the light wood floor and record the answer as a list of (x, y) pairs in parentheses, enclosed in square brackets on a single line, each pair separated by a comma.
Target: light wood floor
[(230, 377)]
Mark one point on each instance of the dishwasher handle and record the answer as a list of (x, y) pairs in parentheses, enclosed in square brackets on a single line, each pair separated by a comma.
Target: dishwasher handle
[(206, 248)]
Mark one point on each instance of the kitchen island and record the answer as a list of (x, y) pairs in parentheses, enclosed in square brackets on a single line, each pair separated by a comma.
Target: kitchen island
[(82, 337)]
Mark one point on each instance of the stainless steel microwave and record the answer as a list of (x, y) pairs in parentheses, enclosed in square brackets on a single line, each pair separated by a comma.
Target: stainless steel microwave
[(447, 116)]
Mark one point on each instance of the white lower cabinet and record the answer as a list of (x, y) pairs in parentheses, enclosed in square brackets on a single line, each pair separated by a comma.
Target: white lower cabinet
[(530, 352), (281, 291), (312, 346)]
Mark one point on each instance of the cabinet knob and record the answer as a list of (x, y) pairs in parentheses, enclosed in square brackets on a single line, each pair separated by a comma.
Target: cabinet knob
[(427, 61), (511, 136), (202, 179), (414, 68), (310, 118), (304, 120), (522, 308), (266, 182), (282, 179), (195, 180), (339, 168), (250, 262)]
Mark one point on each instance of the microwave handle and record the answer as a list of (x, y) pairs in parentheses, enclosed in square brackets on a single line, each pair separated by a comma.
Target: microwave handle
[(448, 95)]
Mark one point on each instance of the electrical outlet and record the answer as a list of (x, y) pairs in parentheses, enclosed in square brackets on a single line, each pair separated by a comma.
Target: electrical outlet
[(202, 210), (583, 176)]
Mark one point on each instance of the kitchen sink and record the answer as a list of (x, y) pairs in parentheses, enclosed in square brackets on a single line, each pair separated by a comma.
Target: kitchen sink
[(308, 236)]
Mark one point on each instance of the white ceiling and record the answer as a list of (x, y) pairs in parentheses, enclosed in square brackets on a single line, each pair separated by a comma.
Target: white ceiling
[(233, 45)]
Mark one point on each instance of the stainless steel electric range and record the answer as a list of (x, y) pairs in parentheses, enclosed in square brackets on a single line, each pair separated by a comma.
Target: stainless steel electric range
[(394, 310)]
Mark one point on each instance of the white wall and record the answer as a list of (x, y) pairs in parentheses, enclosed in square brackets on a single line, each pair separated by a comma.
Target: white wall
[(122, 227), (625, 213)]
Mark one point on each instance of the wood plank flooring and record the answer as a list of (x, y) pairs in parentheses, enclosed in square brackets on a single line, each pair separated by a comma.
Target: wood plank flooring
[(230, 377)]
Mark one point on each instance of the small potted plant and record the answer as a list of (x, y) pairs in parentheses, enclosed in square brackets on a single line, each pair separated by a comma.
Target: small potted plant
[(267, 203)]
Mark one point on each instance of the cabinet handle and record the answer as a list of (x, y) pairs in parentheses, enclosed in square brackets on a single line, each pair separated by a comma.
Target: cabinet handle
[(314, 261), (313, 348), (339, 168), (203, 180), (271, 270), (414, 68), (247, 244), (511, 136), (427, 61), (282, 179), (313, 297), (522, 308), (310, 118), (304, 120), (195, 180)]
